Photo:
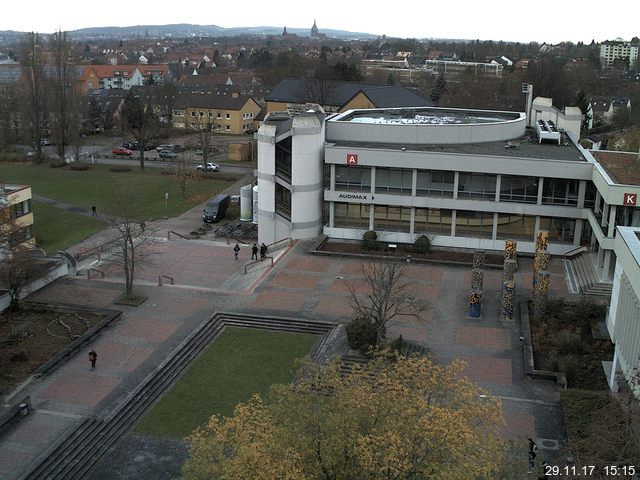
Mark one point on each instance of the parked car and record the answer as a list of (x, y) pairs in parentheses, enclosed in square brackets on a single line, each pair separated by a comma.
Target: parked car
[(121, 151), (215, 209), (167, 154), (209, 167), (172, 147)]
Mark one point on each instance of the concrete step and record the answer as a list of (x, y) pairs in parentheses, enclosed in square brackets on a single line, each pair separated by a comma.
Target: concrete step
[(81, 450), (587, 277)]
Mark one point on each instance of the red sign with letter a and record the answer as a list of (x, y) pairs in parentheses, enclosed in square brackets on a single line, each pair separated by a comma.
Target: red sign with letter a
[(630, 199), (352, 159)]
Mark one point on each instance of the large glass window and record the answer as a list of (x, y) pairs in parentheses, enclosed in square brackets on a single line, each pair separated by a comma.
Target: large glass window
[(474, 224), (560, 191), (435, 183), (560, 229), (628, 216), (396, 219), (283, 201), (351, 215), (283, 159), (590, 196), (477, 185), (435, 221), (516, 227), (353, 178), (519, 189), (397, 180)]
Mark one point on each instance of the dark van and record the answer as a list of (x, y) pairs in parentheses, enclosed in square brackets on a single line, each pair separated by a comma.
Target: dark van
[(215, 209)]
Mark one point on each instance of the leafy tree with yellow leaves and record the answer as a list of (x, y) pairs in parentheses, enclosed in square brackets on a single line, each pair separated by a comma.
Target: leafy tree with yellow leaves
[(393, 418)]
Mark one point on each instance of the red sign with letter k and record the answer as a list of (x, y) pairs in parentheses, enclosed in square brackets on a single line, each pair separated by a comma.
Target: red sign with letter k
[(630, 199), (352, 159)]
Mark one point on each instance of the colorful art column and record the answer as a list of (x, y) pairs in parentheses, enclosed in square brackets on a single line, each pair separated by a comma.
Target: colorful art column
[(508, 300), (540, 294), (475, 305)]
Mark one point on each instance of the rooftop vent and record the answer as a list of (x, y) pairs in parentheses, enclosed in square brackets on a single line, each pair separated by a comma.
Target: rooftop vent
[(547, 130)]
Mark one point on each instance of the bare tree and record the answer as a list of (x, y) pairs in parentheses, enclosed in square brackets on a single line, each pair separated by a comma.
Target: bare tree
[(388, 296), (204, 126), (140, 122), (34, 90), (320, 91), (65, 109), (184, 172), (128, 223)]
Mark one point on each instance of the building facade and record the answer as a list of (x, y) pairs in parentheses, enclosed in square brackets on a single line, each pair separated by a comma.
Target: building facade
[(612, 51), (233, 114), (623, 319), (16, 218), (465, 178)]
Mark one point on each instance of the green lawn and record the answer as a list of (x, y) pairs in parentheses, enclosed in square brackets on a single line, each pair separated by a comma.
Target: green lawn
[(239, 363), (97, 185), (57, 229)]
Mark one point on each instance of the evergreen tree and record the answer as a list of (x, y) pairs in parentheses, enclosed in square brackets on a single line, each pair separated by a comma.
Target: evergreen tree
[(439, 89)]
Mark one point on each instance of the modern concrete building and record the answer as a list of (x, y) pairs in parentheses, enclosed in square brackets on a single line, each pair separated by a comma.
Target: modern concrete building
[(623, 320), (465, 178)]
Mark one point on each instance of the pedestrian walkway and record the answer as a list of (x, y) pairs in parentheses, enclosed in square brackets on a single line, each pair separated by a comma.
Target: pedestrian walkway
[(207, 279)]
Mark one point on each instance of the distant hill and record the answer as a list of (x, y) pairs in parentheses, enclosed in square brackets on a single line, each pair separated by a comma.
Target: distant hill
[(186, 30)]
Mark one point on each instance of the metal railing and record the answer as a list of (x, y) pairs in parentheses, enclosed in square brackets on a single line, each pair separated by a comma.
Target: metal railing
[(95, 250), (257, 261), (94, 270), (160, 277), (176, 234), (574, 252)]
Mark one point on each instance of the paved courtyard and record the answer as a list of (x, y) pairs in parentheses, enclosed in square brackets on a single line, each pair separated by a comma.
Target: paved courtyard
[(207, 279)]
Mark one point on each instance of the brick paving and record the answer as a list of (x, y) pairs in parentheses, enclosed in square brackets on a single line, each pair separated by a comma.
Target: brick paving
[(209, 280)]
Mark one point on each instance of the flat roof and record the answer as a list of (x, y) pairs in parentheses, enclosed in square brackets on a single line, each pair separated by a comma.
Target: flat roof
[(622, 167), (526, 146), (426, 116)]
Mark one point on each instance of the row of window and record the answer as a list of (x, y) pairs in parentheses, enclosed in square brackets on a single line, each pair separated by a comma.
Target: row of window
[(467, 223), (227, 116), (20, 209), (440, 183)]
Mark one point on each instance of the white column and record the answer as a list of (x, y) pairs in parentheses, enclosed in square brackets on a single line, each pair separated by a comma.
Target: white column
[(540, 187), (613, 384), (456, 178)]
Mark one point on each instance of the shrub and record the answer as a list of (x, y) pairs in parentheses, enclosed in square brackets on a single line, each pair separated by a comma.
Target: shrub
[(369, 240), (422, 244), (569, 366), (58, 164), (120, 169), (396, 344), (361, 334), (20, 356), (569, 342), (79, 166)]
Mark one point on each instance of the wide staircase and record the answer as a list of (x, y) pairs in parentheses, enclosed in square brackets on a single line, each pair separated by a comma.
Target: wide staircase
[(74, 456), (585, 276)]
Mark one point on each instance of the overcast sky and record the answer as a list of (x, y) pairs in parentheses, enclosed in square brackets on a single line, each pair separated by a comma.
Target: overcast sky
[(524, 21)]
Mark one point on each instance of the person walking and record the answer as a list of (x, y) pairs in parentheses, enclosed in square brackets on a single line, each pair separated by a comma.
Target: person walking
[(236, 251), (93, 356), (533, 453), (263, 251), (254, 251), (93, 211)]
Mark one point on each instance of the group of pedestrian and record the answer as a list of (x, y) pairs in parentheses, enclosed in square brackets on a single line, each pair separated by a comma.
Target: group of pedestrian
[(254, 251), (533, 453)]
